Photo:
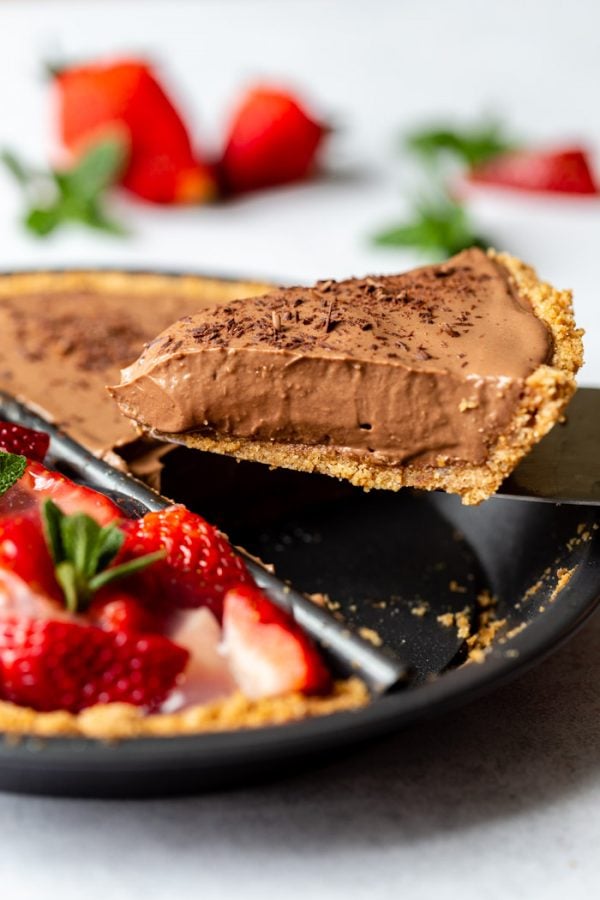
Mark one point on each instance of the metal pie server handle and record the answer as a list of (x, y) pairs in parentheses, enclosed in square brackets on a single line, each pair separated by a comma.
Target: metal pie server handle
[(378, 668)]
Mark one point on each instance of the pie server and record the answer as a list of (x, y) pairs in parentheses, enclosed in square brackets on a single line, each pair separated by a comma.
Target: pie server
[(565, 466), (378, 667)]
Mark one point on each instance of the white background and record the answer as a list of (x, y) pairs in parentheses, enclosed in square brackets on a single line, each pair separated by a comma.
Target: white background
[(500, 800)]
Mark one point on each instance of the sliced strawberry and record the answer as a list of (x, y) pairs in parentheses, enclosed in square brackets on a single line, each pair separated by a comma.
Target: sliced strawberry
[(272, 140), (50, 664), (200, 564), (115, 609), (268, 653), (207, 675), (125, 98), (561, 171), (18, 598), (24, 552), (26, 441), (39, 483)]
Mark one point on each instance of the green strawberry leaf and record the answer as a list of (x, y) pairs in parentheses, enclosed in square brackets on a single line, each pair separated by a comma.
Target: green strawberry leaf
[(12, 467), (82, 552)]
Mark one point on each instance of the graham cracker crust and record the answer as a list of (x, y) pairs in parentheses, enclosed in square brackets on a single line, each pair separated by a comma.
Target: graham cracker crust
[(118, 721), (546, 393)]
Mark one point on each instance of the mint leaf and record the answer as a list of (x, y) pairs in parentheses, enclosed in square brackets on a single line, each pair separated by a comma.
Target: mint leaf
[(42, 221), (127, 568), (82, 552), (51, 519), (96, 171), (439, 228), (12, 467), (76, 195), (470, 146), (66, 575), (110, 541), (16, 167)]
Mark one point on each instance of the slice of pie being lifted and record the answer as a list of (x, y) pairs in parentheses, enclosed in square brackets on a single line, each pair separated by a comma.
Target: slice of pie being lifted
[(442, 377)]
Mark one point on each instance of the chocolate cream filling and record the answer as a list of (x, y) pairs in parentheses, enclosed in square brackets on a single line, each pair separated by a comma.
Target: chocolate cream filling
[(65, 336), (425, 367)]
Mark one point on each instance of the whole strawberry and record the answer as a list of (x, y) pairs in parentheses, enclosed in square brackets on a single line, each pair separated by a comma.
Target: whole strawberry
[(199, 565), (125, 98), (52, 664), (272, 140)]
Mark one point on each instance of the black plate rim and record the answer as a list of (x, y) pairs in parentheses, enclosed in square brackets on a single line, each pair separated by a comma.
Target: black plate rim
[(383, 716)]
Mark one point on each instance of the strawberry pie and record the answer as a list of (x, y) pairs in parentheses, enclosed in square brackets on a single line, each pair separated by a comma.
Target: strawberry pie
[(115, 627)]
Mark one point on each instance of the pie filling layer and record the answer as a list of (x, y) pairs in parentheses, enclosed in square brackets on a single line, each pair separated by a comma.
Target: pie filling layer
[(425, 368)]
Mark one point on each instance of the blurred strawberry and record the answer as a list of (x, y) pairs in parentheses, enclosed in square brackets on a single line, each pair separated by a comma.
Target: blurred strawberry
[(565, 171), (271, 140), (115, 609), (125, 99)]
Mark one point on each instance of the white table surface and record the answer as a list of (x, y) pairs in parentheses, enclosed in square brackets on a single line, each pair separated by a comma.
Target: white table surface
[(501, 799)]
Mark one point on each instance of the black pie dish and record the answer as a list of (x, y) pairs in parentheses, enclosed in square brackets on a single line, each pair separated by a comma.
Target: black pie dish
[(381, 557)]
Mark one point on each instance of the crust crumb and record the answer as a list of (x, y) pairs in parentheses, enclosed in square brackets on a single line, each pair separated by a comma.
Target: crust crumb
[(369, 634)]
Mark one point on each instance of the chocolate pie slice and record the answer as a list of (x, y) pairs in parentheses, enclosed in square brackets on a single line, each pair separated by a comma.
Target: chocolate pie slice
[(440, 378)]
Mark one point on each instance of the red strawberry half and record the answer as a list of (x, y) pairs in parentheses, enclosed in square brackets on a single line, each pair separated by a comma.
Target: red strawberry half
[(267, 652), (563, 172), (23, 551), (272, 140), (39, 483), (125, 98), (200, 564), (50, 664), (26, 441)]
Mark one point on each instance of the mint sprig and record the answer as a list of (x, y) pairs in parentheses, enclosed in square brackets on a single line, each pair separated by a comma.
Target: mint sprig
[(439, 228), (58, 196), (83, 551), (12, 467), (470, 146)]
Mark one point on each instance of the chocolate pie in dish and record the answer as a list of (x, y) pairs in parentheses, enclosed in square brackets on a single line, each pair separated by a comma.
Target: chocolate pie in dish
[(115, 627), (440, 378)]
